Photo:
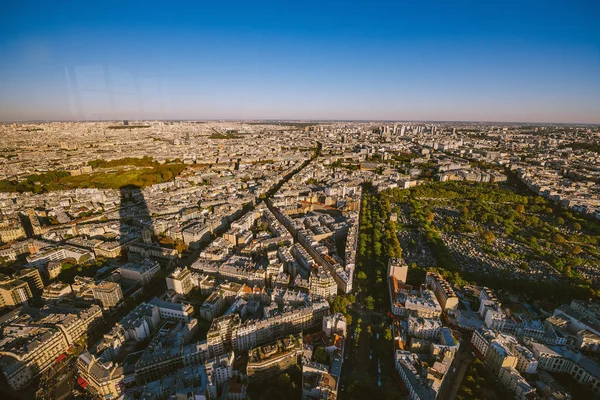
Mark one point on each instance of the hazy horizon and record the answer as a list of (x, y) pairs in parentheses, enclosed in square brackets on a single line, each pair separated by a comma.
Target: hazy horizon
[(317, 121)]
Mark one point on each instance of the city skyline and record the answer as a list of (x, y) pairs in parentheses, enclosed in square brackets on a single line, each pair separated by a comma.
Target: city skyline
[(439, 61)]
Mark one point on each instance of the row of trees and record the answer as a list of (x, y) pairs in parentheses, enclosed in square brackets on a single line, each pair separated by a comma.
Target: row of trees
[(145, 161), (377, 243)]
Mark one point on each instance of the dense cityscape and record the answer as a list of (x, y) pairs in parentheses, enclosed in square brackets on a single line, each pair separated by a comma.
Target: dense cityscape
[(299, 259)]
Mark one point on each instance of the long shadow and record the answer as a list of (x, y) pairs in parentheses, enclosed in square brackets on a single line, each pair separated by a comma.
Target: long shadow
[(136, 230), (135, 221)]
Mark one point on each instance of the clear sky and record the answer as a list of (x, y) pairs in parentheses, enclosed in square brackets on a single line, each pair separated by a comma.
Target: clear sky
[(512, 60)]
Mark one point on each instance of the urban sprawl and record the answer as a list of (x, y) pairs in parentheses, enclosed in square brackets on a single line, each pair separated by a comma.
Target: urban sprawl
[(285, 259)]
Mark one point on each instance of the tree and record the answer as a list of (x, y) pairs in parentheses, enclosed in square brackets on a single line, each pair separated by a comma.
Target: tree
[(557, 238), (577, 226), (370, 303), (361, 275), (577, 249), (520, 208), (387, 334), (488, 236), (320, 355)]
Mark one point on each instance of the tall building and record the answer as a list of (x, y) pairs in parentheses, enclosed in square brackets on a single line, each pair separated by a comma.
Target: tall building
[(443, 291), (109, 294), (32, 277), (218, 371), (180, 281), (14, 292), (398, 269), (322, 284)]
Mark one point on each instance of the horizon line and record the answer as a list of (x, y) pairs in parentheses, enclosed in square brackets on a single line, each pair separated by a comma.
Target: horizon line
[(34, 121)]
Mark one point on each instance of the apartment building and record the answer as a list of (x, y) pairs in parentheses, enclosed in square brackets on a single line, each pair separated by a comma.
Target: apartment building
[(60, 254), (228, 332), (109, 294), (510, 378), (140, 271), (30, 347), (271, 359), (139, 324), (425, 305), (180, 281), (321, 283), (443, 291), (218, 371), (173, 311), (212, 306), (26, 351), (499, 356), (32, 277), (56, 291), (11, 230), (422, 328), (417, 388), (102, 379), (14, 292)]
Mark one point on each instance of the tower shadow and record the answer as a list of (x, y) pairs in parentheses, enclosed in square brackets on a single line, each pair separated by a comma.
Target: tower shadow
[(136, 227)]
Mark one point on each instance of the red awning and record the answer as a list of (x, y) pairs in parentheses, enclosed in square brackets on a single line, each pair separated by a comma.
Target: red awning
[(82, 382), (61, 357)]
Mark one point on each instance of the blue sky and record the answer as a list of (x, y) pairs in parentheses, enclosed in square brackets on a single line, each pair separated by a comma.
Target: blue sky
[(515, 60)]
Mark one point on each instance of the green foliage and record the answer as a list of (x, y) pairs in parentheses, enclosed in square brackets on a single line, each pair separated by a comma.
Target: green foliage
[(387, 334), (35, 183), (148, 173), (340, 304), (320, 355), (117, 127), (225, 136), (478, 383), (488, 236), (492, 209), (377, 243), (133, 161), (370, 302)]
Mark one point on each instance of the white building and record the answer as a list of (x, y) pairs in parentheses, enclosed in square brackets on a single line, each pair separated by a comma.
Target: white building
[(140, 271), (334, 323), (180, 281)]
